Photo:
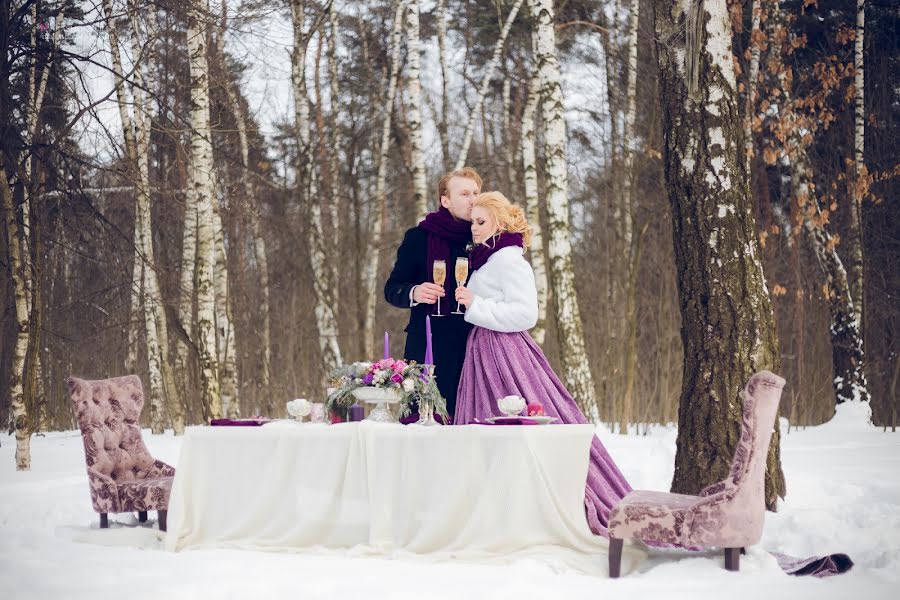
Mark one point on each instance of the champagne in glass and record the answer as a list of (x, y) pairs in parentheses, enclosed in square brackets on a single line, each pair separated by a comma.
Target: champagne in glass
[(461, 272), (439, 273)]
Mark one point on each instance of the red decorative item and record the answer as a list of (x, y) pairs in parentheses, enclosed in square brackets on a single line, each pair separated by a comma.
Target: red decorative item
[(535, 409), (336, 418)]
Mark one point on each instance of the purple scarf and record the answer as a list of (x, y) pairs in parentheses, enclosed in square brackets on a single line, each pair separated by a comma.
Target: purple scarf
[(483, 252), (443, 229)]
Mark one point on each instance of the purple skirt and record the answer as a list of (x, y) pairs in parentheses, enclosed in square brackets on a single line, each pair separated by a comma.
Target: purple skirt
[(501, 364)]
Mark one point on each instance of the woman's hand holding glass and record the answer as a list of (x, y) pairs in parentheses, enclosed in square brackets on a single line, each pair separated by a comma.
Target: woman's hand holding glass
[(464, 296)]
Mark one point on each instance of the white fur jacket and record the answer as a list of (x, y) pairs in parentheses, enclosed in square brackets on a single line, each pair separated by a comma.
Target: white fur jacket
[(505, 297)]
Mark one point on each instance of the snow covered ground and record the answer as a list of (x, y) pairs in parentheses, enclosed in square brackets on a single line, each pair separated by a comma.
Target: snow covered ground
[(843, 496)]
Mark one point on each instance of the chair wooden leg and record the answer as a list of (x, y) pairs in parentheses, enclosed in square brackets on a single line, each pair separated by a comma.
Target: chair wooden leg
[(104, 521), (732, 559), (162, 519), (142, 516), (615, 557)]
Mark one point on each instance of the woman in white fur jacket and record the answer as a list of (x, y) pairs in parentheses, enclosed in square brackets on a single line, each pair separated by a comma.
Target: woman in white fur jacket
[(501, 357)]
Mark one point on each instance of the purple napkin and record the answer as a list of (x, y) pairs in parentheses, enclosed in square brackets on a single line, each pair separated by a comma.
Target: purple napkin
[(817, 566), (239, 422), (509, 421)]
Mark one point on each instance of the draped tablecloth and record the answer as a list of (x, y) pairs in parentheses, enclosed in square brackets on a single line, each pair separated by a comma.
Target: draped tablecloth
[(462, 491)]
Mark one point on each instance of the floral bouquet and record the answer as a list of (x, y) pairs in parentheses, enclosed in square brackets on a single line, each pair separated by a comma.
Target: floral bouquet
[(413, 382)]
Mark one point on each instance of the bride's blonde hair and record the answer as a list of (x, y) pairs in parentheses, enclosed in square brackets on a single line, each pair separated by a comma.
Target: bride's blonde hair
[(507, 216)]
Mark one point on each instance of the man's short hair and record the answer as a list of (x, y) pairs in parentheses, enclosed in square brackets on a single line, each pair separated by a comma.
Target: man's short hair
[(467, 172)]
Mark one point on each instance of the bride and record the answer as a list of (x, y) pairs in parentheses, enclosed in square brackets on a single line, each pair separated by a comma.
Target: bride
[(501, 357)]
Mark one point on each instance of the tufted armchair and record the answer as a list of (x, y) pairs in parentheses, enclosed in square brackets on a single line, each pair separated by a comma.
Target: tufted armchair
[(123, 477), (728, 514)]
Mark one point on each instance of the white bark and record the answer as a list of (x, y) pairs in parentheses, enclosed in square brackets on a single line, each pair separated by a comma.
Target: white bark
[(186, 285), (334, 142), (440, 13), (225, 342), (136, 137), (562, 276), (752, 75), (861, 173), (532, 206), (259, 242), (414, 111), (485, 85), (370, 272), (202, 193), (18, 410), (324, 311)]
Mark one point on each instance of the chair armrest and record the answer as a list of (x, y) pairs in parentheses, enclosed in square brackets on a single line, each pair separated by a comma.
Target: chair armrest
[(713, 489), (160, 469)]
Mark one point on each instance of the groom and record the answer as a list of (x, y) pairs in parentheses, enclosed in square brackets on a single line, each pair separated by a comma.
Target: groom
[(442, 235)]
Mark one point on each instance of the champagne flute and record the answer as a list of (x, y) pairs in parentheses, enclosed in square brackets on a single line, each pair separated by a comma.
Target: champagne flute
[(439, 273), (461, 272)]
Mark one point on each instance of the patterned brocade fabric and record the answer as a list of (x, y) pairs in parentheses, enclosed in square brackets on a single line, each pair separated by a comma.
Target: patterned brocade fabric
[(122, 475), (727, 514)]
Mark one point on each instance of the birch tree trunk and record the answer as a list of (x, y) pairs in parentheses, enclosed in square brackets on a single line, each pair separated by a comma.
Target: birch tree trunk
[(334, 167), (532, 205), (225, 342), (629, 249), (308, 185), (202, 187), (19, 416), (848, 358), (728, 326), (578, 377), (252, 205), (440, 14), (186, 288), (756, 39), (374, 246), (485, 85), (854, 244), (414, 111), (136, 137)]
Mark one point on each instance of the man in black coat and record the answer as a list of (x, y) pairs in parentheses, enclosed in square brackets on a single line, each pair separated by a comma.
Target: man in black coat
[(443, 235)]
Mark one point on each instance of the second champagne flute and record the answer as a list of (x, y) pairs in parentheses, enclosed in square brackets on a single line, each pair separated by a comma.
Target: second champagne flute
[(461, 272), (439, 274)]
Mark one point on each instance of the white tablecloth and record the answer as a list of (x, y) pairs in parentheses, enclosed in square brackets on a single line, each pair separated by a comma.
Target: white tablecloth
[(462, 491)]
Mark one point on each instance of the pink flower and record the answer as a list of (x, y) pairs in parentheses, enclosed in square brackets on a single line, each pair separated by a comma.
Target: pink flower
[(399, 366), (535, 409), (387, 363), (397, 378)]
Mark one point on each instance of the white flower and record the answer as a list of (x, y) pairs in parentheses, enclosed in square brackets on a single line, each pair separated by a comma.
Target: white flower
[(408, 385), (299, 407), (511, 405)]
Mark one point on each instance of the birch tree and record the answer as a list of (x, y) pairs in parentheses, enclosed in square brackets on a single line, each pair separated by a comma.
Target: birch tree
[(485, 86), (226, 347), (414, 110), (252, 207), (860, 177), (532, 205), (728, 327), (308, 187), (440, 15), (136, 136), (370, 272), (202, 184), (21, 420), (562, 277)]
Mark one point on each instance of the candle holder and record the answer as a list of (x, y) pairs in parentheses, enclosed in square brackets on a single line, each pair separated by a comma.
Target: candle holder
[(426, 407)]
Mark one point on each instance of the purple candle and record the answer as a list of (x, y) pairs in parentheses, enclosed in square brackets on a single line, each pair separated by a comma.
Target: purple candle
[(356, 413), (387, 345), (429, 358)]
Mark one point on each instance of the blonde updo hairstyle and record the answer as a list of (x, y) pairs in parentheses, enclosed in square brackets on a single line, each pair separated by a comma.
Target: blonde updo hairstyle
[(508, 218)]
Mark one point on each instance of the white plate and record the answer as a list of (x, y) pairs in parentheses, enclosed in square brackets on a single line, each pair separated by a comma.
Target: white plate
[(541, 420)]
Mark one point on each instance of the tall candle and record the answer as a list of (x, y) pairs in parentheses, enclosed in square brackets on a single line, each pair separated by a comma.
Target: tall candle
[(387, 345), (429, 358)]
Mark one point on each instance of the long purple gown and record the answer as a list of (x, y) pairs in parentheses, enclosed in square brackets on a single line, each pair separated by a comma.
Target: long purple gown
[(501, 364)]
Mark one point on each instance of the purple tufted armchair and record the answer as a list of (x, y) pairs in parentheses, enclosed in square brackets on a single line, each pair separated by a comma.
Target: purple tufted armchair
[(728, 514), (123, 477)]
